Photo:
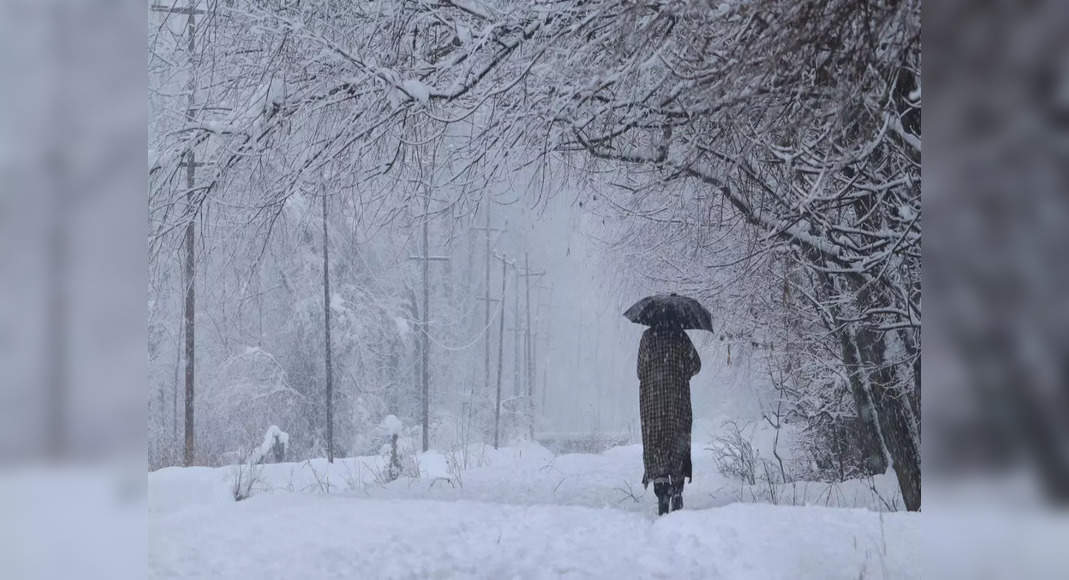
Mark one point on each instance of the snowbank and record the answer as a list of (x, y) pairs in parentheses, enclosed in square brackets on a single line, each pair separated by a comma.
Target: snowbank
[(433, 465), (525, 474)]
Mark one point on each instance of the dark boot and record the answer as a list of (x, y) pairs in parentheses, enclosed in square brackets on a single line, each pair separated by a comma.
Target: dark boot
[(664, 496), (677, 495)]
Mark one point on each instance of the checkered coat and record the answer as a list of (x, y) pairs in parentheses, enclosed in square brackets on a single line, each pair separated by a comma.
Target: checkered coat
[(666, 362)]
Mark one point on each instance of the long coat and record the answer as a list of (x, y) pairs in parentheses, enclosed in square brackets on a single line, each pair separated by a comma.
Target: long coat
[(666, 362)]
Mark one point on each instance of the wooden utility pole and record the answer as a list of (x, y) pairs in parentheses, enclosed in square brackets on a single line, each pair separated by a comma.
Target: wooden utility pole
[(500, 352), (425, 317), (486, 318), (189, 316), (517, 330), (188, 278), (544, 307), (189, 265), (425, 351), (487, 231), (326, 327), (57, 317), (527, 274)]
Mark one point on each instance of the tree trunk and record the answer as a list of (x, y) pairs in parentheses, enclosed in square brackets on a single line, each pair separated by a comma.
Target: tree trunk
[(873, 458), (896, 421), (913, 352)]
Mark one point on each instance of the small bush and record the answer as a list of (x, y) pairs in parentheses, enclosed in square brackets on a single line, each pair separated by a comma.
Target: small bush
[(831, 444), (398, 450), (246, 476), (734, 454)]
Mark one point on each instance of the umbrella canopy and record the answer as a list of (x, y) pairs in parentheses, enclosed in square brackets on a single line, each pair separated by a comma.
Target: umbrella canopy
[(672, 309)]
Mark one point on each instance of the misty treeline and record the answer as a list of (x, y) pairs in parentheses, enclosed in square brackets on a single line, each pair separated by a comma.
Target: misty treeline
[(763, 156)]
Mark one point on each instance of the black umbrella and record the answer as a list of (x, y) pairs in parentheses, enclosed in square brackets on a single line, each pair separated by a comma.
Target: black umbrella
[(673, 309)]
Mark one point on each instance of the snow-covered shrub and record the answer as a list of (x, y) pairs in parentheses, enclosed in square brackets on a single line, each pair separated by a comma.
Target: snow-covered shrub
[(391, 427), (245, 477), (322, 481), (456, 468), (274, 446), (398, 449), (734, 453), (250, 392), (830, 444)]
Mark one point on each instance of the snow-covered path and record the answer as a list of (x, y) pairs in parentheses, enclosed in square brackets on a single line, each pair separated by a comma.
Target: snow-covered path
[(515, 513), (294, 535)]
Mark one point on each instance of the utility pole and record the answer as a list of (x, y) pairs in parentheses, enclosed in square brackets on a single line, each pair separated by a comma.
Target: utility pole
[(500, 352), (425, 352), (326, 320), (527, 274), (189, 265), (486, 318), (544, 307), (57, 318), (517, 330), (487, 230), (188, 279), (425, 345)]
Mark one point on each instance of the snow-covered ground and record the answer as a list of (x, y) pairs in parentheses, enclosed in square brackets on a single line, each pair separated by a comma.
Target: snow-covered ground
[(518, 512), (340, 536)]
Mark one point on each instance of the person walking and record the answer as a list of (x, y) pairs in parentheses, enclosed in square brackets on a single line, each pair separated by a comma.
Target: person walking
[(667, 360)]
